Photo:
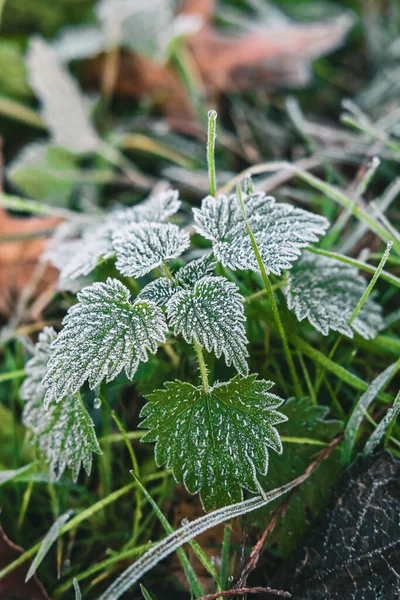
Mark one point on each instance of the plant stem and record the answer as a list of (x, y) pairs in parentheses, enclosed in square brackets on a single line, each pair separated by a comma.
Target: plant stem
[(356, 263), (211, 135), (272, 300), (202, 366)]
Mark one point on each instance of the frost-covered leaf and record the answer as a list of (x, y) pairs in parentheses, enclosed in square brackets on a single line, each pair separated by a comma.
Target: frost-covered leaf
[(195, 270), (142, 247), (326, 292), (103, 333), (63, 109), (65, 256), (159, 206), (64, 433), (159, 291), (352, 552), (76, 258), (214, 442), (212, 313), (280, 231), (306, 432), (86, 253), (36, 367), (162, 289)]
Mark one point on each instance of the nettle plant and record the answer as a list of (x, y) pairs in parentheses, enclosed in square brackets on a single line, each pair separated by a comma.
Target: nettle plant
[(215, 437)]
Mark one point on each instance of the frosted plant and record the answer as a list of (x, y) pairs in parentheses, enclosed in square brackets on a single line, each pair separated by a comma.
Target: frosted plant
[(217, 441), (280, 231), (103, 333), (212, 314), (64, 432), (326, 292), (143, 247), (77, 258), (216, 436)]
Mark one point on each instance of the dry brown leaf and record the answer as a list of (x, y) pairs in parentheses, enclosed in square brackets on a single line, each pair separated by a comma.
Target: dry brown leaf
[(264, 57), (13, 585), (20, 257)]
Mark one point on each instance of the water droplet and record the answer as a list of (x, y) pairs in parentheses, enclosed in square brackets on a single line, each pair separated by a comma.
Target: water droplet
[(185, 521), (96, 403), (214, 561), (230, 578)]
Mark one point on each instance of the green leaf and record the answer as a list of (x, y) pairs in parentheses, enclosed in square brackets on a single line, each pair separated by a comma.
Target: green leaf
[(304, 420), (359, 411), (280, 231), (145, 593), (45, 172), (142, 247), (214, 442), (326, 292), (212, 313), (103, 333)]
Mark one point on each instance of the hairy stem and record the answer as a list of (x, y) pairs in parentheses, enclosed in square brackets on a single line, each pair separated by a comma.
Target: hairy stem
[(271, 297), (211, 135), (202, 366)]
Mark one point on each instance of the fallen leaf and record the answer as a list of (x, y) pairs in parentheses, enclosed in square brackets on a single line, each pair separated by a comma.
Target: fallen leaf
[(353, 552), (13, 585), (260, 56), (22, 241)]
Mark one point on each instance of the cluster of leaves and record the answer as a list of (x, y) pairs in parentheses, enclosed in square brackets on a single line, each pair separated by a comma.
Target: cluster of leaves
[(214, 438)]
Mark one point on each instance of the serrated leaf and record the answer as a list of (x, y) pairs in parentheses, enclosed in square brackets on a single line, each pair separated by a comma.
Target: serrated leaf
[(195, 270), (162, 289), (326, 292), (214, 442), (64, 433), (158, 207), (142, 247), (103, 333), (86, 253), (63, 109), (212, 313), (280, 231), (159, 291), (76, 258), (305, 421), (36, 367)]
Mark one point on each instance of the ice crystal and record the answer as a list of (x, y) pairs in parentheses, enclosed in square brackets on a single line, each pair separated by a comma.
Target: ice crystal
[(212, 313), (142, 247), (103, 333), (214, 442), (65, 432), (159, 291), (63, 109), (280, 231), (326, 292)]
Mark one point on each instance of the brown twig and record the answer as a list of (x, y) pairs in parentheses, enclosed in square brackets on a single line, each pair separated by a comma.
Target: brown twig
[(279, 511), (243, 591)]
